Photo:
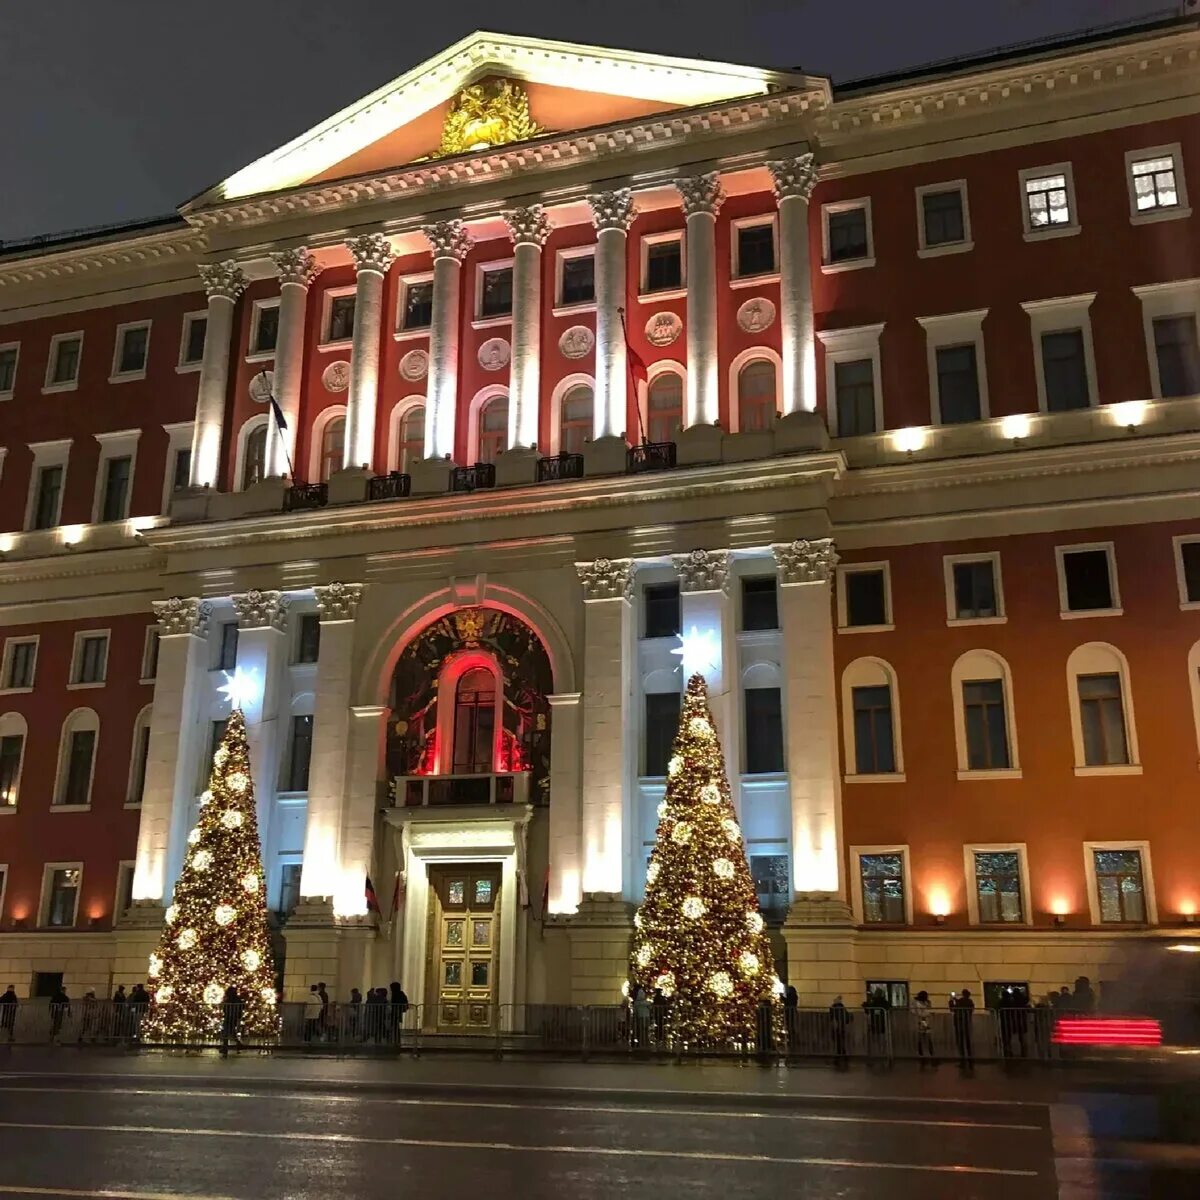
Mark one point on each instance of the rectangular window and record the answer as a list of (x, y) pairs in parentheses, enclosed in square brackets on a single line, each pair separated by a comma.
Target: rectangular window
[(64, 364), (764, 730), (874, 740), (1102, 720), (181, 468), (124, 889), (755, 249), (308, 638), (194, 331), (662, 722), (77, 786), (958, 384), (664, 265), (11, 747), (866, 597), (760, 602), (998, 887), (8, 369), (341, 318), (20, 662), (578, 279), (882, 888), (771, 885), (975, 590), (300, 754), (1154, 184), (1178, 353), (846, 230), (661, 610), (227, 647), (496, 298), (289, 889), (266, 328), (91, 659), (1119, 886), (141, 756), (854, 384), (1047, 201), (150, 653), (942, 213), (1189, 558), (1064, 369), (132, 346), (49, 497), (986, 725), (62, 898), (418, 305), (114, 504), (1088, 579)]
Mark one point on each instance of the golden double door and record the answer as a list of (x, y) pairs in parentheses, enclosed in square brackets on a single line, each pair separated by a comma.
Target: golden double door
[(464, 938)]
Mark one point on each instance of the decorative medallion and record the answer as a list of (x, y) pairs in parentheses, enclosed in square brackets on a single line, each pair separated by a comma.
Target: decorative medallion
[(468, 624), (663, 329), (261, 386), (414, 365), (756, 315), (492, 112), (577, 342), (336, 376), (494, 354)]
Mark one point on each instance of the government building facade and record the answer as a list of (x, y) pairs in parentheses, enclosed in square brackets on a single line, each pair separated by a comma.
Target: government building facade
[(459, 429)]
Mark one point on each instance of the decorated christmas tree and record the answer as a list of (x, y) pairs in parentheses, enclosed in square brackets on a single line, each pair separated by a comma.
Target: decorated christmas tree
[(216, 933), (700, 937)]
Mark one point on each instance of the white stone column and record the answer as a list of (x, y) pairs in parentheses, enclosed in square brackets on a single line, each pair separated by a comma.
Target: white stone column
[(451, 243), (566, 859), (607, 720), (297, 269), (612, 214), (795, 179), (702, 198), (176, 735), (224, 283), (337, 604), (262, 654), (373, 254), (365, 747), (811, 717), (529, 229)]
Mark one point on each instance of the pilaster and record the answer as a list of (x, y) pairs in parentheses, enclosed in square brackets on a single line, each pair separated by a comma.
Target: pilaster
[(702, 198), (224, 283), (451, 244), (529, 228), (357, 836), (296, 268), (566, 842), (373, 255), (794, 180), (612, 214)]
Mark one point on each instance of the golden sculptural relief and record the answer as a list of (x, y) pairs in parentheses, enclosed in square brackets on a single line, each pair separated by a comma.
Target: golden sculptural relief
[(492, 112)]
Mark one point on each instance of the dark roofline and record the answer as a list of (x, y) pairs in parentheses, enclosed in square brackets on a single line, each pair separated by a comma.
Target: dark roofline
[(1020, 51), (63, 239)]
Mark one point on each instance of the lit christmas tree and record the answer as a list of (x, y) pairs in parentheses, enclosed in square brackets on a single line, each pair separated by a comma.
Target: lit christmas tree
[(216, 931), (700, 937)]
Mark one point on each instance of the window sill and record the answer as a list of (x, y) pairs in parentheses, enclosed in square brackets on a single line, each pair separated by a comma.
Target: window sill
[(340, 344), (945, 248), (854, 264), (1114, 769), (128, 377), (956, 621), (1047, 235), (1189, 605), (679, 293), (406, 335), (132, 806), (51, 388), (258, 356), (991, 773), (746, 281), (1079, 614), (1154, 216), (570, 310), (865, 628), (188, 368), (8, 810), (70, 808), (492, 322), (6, 395), (83, 687), (148, 679), (21, 691), (895, 777)]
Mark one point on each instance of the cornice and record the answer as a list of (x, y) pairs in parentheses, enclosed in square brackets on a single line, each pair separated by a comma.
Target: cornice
[(174, 245), (74, 565)]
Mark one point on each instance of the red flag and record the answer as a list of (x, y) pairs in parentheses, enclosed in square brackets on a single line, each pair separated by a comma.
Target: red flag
[(637, 365), (398, 893), (372, 899)]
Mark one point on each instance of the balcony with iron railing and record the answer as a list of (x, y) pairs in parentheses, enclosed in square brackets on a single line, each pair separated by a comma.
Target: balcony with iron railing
[(559, 466), (301, 497), (471, 479), (650, 456), (394, 486), (430, 791)]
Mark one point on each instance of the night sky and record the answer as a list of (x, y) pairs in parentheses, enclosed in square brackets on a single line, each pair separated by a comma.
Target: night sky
[(120, 109)]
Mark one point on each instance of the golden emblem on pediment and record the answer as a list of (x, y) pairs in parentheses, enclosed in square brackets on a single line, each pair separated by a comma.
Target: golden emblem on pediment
[(492, 112), (468, 624)]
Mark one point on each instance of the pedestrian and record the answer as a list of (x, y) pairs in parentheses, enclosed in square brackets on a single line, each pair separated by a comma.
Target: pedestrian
[(399, 1006), (964, 1009), (90, 1018), (641, 1017), (1043, 1017), (60, 1009), (354, 1015), (117, 1013), (139, 1001), (231, 1019), (376, 1002), (1061, 1000), (922, 1011), (312, 1015), (1083, 999), (876, 1007), (658, 1005), (326, 1014), (839, 1022), (8, 1012), (791, 1017), (1014, 1022)]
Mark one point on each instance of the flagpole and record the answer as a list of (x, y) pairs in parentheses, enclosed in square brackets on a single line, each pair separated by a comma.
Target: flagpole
[(637, 400), (280, 423)]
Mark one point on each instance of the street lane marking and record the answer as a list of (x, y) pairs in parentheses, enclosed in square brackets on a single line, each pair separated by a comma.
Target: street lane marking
[(14, 1190), (597, 1151), (831, 1118)]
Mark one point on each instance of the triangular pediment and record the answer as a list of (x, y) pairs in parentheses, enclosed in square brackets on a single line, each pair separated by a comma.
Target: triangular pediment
[(558, 86)]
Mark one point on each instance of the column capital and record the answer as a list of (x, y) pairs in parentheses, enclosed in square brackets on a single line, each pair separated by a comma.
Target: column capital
[(338, 601), (449, 239), (612, 210), (296, 265), (372, 252), (794, 177), (607, 578), (702, 570), (700, 193), (182, 614), (261, 610), (223, 279), (805, 561), (528, 226)]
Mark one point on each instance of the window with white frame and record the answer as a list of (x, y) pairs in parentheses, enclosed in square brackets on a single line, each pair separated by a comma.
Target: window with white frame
[(47, 479), (846, 235), (264, 328), (191, 341), (337, 316), (575, 418), (664, 406), (575, 276), (493, 429), (772, 884), (1087, 580), (984, 729), (1157, 184), (1170, 319), (20, 663), (1103, 730), (114, 474), (943, 219), (871, 721), (253, 455), (997, 884), (77, 759), (1120, 883), (177, 475), (225, 646), (880, 883), (150, 648), (754, 248), (1048, 201), (864, 596), (307, 645), (61, 885), (494, 290), (763, 747), (1187, 570), (853, 379), (974, 589), (89, 660), (62, 364), (1064, 361), (139, 758), (410, 437), (757, 397), (958, 385), (414, 311), (9, 354), (13, 732), (123, 900), (131, 351), (662, 263)]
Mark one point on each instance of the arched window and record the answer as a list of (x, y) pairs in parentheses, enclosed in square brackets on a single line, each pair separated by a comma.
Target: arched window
[(333, 441), (254, 464), (12, 757), (139, 756), (493, 429), (871, 720), (664, 405), (474, 722), (77, 758), (756, 396), (985, 731), (412, 437), (1102, 725), (575, 419)]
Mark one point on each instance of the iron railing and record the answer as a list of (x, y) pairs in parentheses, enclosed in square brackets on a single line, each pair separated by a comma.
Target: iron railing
[(650, 456), (470, 479), (432, 790), (559, 466), (393, 486), (301, 496)]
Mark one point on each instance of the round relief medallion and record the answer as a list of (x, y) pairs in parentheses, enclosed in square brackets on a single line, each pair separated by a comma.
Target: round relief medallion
[(663, 329), (415, 365), (494, 354), (756, 315), (577, 342), (336, 376), (261, 386)]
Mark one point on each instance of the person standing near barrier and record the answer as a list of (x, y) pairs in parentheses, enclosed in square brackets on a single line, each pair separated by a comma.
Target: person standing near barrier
[(791, 1017), (231, 1020), (8, 1012), (922, 1011), (658, 1004), (116, 1017), (1083, 999), (354, 1015), (326, 1014), (399, 1006), (964, 1009), (139, 1001), (839, 1022), (312, 1015), (90, 1018), (641, 1018), (60, 1009)]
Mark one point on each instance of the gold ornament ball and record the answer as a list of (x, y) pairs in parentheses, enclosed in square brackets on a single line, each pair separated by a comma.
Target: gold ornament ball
[(675, 765), (710, 794), (721, 984), (214, 993), (232, 819), (652, 872), (171, 913), (682, 833), (693, 908), (722, 868), (202, 860), (238, 782), (732, 832), (251, 960), (224, 914), (644, 955), (754, 922), (749, 962), (164, 993), (187, 939), (250, 883)]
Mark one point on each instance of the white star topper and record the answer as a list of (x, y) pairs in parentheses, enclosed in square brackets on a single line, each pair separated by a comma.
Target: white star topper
[(699, 651), (240, 687)]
